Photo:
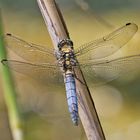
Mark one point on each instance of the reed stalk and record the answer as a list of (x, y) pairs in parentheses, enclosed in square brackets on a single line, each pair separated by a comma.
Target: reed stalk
[(58, 31), (14, 115)]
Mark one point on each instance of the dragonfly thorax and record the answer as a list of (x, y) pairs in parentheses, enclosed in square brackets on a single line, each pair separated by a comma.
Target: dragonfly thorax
[(66, 57)]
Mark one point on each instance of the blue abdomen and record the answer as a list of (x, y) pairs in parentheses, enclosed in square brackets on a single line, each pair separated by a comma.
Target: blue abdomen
[(72, 97)]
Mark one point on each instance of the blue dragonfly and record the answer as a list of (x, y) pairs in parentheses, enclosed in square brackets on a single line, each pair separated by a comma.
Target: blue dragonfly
[(92, 58)]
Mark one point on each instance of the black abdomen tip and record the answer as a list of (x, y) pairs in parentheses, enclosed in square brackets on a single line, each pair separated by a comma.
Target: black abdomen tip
[(128, 24)]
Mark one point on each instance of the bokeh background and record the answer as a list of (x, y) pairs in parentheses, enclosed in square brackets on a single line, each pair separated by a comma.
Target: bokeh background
[(44, 107)]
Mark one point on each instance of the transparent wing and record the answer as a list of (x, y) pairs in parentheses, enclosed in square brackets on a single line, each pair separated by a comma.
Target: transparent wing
[(50, 104), (29, 51), (107, 70), (45, 72), (107, 45)]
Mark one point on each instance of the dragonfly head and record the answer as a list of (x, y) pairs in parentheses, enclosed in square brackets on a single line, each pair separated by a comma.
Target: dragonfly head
[(65, 43)]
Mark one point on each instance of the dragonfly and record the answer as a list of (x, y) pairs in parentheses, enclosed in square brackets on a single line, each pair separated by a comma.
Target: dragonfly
[(92, 58)]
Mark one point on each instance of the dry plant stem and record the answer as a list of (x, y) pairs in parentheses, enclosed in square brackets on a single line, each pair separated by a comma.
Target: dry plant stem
[(58, 31), (14, 115)]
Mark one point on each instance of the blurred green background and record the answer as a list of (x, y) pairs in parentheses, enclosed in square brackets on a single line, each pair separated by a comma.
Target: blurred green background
[(44, 108)]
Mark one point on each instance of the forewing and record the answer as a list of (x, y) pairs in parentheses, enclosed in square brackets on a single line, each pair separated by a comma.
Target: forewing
[(29, 51), (45, 72), (107, 70), (107, 45)]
